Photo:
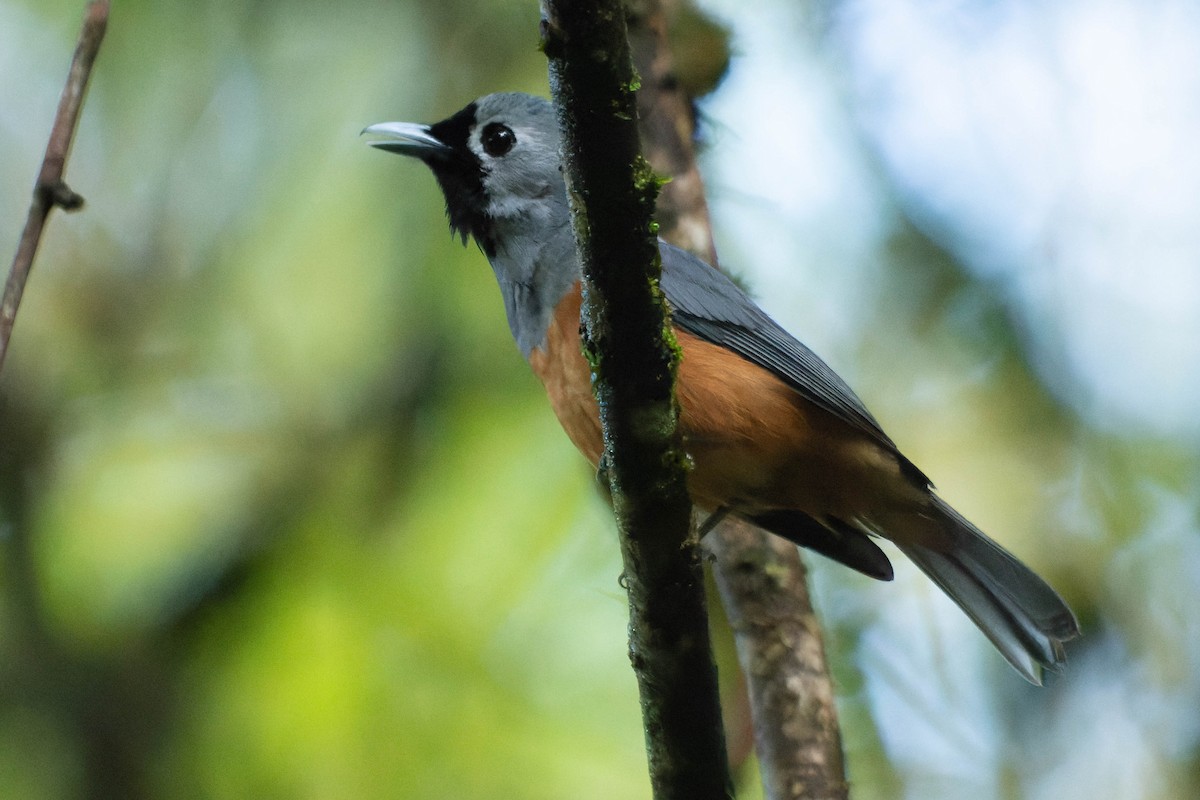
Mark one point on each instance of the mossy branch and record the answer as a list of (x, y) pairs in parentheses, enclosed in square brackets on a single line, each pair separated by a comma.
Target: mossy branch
[(629, 344)]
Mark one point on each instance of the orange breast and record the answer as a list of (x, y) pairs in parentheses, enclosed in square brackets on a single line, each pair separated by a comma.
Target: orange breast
[(560, 365), (755, 442)]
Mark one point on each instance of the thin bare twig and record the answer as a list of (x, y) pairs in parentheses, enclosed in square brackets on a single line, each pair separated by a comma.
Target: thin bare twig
[(50, 189)]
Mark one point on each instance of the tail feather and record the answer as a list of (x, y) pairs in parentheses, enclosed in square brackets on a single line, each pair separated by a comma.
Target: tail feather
[(1018, 611)]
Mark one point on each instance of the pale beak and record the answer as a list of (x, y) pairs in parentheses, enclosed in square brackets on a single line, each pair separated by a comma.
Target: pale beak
[(408, 139)]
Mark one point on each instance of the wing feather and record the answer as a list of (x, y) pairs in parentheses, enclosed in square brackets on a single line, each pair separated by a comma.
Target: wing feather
[(707, 304)]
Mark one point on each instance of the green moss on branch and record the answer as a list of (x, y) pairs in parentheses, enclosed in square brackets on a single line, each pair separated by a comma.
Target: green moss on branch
[(633, 355)]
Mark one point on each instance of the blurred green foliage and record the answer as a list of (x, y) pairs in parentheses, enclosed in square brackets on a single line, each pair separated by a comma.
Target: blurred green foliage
[(283, 513), (268, 452)]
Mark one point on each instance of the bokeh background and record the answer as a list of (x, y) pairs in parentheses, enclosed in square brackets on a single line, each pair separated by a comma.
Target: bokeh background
[(283, 514)]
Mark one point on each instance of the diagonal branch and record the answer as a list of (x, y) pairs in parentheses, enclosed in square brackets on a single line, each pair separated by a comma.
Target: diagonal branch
[(633, 356), (50, 190), (761, 578), (763, 586)]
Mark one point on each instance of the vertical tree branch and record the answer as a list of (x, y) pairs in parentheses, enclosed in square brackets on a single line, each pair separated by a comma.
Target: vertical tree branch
[(50, 190), (761, 578), (633, 356)]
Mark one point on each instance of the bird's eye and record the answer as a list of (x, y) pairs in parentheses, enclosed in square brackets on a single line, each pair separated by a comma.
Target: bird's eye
[(497, 139)]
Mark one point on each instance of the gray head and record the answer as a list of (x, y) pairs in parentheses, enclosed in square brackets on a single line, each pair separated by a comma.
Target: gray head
[(492, 159), (498, 164)]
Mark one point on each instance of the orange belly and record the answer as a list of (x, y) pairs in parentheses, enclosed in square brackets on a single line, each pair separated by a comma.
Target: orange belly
[(756, 444)]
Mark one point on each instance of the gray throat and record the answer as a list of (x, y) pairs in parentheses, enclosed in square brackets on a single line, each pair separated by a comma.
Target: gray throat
[(536, 265)]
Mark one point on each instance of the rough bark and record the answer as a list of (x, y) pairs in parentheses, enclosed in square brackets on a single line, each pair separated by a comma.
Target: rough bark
[(761, 579), (763, 586)]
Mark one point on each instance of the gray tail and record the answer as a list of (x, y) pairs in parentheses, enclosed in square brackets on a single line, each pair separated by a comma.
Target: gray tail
[(1024, 618)]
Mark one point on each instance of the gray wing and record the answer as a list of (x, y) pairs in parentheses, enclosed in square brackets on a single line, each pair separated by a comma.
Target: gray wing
[(707, 304)]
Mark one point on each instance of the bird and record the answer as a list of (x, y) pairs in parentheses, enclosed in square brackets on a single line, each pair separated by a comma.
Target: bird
[(773, 434)]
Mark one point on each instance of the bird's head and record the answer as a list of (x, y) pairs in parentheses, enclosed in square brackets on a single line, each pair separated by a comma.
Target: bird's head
[(497, 161)]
